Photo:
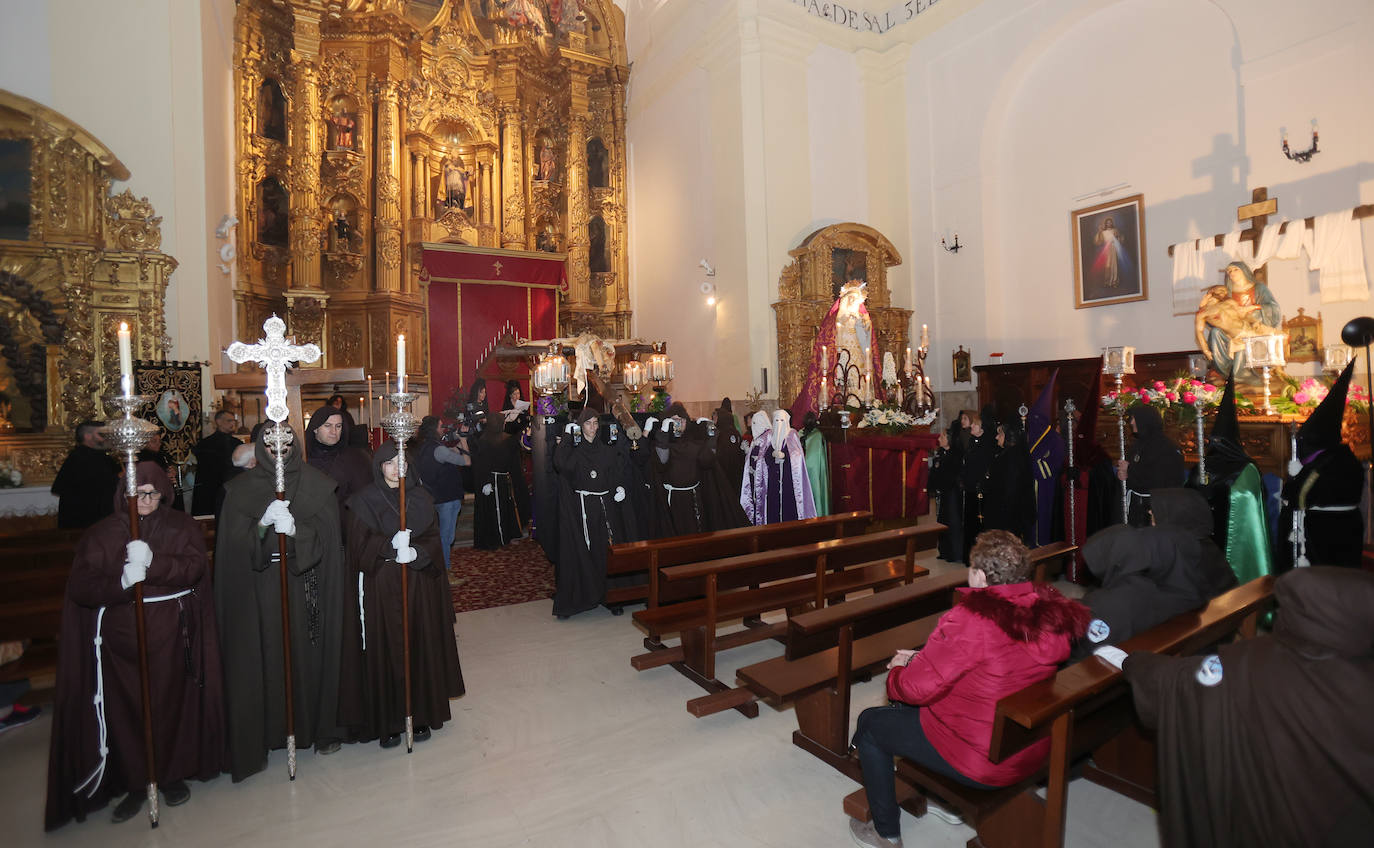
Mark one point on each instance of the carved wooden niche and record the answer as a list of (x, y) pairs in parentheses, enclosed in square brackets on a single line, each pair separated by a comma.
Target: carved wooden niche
[(821, 264)]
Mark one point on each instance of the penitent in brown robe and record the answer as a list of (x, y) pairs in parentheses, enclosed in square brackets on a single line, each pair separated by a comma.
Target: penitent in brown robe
[(183, 664), (1281, 750), (371, 689)]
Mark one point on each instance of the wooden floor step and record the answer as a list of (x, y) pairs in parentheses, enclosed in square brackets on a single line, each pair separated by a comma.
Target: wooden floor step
[(717, 702)]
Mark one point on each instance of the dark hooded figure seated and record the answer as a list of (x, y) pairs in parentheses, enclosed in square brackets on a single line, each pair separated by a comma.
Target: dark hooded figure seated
[(1151, 574)]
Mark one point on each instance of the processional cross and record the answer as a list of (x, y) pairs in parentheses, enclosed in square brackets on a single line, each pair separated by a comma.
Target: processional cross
[(274, 353)]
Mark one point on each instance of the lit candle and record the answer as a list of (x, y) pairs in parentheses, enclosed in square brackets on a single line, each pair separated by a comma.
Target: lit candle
[(126, 364), (825, 359), (825, 394), (401, 363), (925, 336)]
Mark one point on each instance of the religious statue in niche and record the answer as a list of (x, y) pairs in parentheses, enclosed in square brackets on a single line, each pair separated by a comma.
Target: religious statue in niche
[(596, 235), (342, 126), (273, 208), (271, 110), (597, 164), (842, 352), (567, 15), (1242, 307), (847, 266), (547, 240), (526, 13), (547, 166), (343, 235), (456, 179)]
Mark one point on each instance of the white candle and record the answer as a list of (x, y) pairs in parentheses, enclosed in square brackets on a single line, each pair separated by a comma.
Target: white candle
[(825, 394), (401, 363), (825, 359), (126, 363), (925, 336)]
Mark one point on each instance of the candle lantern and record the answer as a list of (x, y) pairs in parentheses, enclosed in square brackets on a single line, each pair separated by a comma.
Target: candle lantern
[(1335, 357), (1118, 362), (660, 367), (1265, 352)]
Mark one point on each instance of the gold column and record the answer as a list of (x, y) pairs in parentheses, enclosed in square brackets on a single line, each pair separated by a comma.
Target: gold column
[(579, 265), (512, 179), (417, 184), (304, 176), (388, 211), (486, 229)]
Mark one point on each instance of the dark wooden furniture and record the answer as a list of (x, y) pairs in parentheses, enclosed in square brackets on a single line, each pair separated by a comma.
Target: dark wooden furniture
[(829, 649), (635, 558), (746, 587), (1084, 709)]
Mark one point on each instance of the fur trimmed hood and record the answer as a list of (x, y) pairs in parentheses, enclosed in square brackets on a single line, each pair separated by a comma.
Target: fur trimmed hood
[(1027, 611)]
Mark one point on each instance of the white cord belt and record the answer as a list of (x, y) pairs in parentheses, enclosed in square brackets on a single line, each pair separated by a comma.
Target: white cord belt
[(1300, 559), (98, 773), (362, 616), (582, 502), (496, 496), (696, 509)]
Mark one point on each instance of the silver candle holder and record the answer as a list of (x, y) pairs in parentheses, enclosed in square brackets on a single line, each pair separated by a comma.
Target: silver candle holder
[(1118, 362), (400, 425), (127, 434)]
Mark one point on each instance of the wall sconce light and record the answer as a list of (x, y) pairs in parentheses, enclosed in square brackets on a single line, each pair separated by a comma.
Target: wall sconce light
[(1301, 155), (707, 267), (953, 248), (708, 288)]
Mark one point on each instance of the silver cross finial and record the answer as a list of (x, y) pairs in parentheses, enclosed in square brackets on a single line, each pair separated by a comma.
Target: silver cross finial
[(275, 354)]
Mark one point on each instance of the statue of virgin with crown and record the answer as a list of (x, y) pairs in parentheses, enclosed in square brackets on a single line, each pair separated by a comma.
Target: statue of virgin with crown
[(845, 338)]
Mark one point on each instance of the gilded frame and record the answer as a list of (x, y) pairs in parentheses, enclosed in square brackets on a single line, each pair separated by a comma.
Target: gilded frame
[(1109, 253)]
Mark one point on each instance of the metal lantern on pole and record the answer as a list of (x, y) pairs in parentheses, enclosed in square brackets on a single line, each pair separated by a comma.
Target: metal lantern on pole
[(1197, 366), (634, 376), (1117, 362), (660, 367), (401, 426), (1265, 352), (551, 374)]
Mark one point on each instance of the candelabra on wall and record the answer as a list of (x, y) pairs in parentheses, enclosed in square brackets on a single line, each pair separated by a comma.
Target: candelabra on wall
[(1301, 156)]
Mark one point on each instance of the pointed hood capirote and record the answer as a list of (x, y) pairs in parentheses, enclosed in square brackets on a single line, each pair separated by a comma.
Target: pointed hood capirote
[(1040, 418), (1225, 425), (1322, 429)]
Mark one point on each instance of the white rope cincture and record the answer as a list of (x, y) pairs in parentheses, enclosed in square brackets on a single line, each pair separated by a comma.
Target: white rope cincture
[(362, 616), (496, 495), (582, 502), (97, 774)]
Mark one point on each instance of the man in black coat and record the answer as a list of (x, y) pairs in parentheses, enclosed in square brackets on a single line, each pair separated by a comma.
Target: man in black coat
[(214, 455), (1153, 461), (85, 485)]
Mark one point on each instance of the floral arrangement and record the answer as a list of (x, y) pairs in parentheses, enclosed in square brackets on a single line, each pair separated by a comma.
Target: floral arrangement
[(1299, 396), (888, 418), (10, 478), (658, 403)]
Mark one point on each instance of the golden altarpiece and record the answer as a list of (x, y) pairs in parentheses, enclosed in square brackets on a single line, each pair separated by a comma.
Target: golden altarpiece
[(368, 128), (75, 261), (821, 264)]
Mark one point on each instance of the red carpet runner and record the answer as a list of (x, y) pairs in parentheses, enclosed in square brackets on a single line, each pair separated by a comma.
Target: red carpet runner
[(514, 574)]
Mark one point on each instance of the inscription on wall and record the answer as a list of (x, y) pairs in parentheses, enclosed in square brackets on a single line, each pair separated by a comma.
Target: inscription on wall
[(860, 20)]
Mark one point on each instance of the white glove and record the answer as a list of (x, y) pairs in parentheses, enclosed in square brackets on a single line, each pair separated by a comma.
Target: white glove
[(619, 494), (138, 553), (279, 516), (401, 543), (1111, 655), (571, 428), (487, 490), (133, 573), (649, 425)]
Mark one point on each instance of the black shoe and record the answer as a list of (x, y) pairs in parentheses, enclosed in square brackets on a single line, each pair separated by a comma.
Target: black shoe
[(422, 734), (19, 716), (176, 793), (324, 749), (391, 741), (128, 808)]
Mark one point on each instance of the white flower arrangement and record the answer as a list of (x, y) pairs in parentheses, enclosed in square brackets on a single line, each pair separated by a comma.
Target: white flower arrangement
[(10, 477), (893, 419)]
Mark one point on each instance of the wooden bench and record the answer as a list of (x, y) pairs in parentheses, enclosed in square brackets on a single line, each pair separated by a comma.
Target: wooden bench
[(742, 587), (1084, 709), (828, 649), (646, 558)]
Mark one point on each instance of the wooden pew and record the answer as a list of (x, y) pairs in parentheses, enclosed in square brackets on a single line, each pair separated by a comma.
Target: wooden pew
[(747, 586), (1084, 709), (828, 649), (636, 558)]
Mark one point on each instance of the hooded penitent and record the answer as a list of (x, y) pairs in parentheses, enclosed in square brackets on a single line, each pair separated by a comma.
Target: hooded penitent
[(943, 483), (817, 462), (780, 487), (96, 746), (500, 498), (973, 476), (1320, 522), (590, 518), (729, 447), (372, 694), (1155, 462), (1235, 493), (1095, 501), (1150, 574), (1008, 496), (1046, 451), (347, 466), (248, 608), (1278, 752)]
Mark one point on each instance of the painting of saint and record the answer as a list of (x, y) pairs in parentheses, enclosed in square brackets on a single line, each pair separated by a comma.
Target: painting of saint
[(271, 110), (171, 410), (273, 209), (1109, 253)]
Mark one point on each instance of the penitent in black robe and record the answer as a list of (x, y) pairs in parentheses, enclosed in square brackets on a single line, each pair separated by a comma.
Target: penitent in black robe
[(501, 502), (589, 520), (372, 691), (1281, 750), (1327, 492), (248, 607), (183, 664)]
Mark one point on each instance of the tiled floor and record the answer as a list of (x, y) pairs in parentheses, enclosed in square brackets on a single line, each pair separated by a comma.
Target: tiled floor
[(558, 744)]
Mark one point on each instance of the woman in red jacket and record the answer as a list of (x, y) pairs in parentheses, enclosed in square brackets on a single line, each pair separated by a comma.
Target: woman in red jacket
[(1003, 634)]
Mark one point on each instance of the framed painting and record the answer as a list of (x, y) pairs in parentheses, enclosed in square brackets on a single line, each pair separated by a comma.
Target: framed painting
[(1109, 253), (16, 178), (963, 365), (1304, 337)]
